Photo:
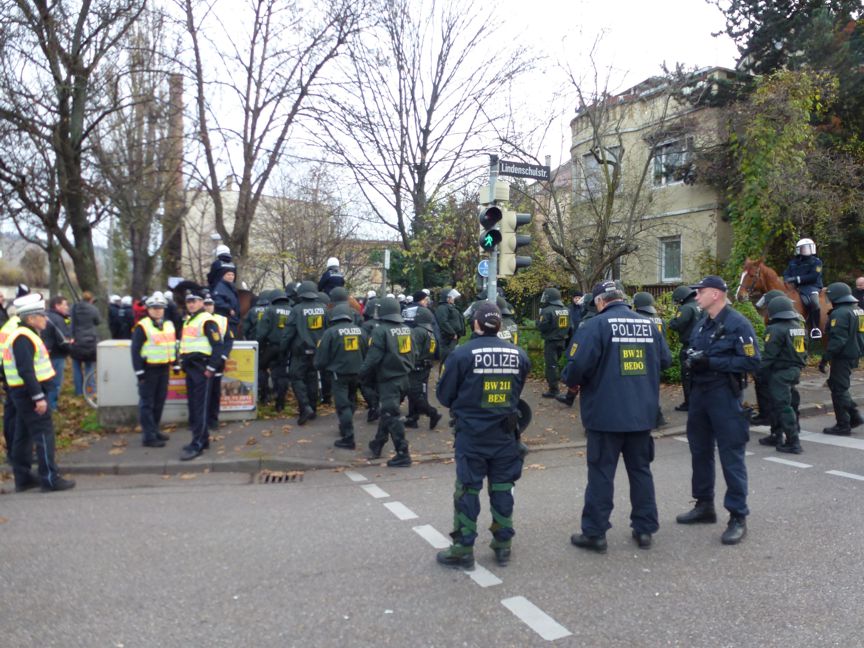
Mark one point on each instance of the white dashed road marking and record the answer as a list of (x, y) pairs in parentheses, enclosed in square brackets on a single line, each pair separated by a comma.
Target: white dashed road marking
[(535, 618), (788, 462), (680, 438), (840, 473), (375, 491), (483, 577), (827, 439), (433, 536), (400, 510), (353, 476)]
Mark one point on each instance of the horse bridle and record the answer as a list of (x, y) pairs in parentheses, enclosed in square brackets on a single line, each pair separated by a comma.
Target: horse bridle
[(755, 281)]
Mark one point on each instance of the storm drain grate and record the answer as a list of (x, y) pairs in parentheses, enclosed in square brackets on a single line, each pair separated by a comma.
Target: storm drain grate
[(279, 477)]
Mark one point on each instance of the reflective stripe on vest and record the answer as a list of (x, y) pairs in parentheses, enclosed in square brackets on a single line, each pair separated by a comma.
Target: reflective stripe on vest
[(222, 321), (6, 331), (41, 360), (194, 340), (160, 344)]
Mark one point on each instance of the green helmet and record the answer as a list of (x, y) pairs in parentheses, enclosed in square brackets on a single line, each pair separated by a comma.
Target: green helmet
[(278, 295), (840, 293), (588, 303), (443, 295), (389, 311), (643, 302), (681, 293), (425, 318), (308, 290), (342, 312), (765, 299), (551, 296), (338, 295), (781, 308), (505, 308)]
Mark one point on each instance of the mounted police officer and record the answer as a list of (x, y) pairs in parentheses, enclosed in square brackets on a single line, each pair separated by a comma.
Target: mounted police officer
[(722, 350), (554, 327), (154, 350), (805, 273), (426, 346), (340, 353), (685, 319), (28, 371), (783, 358), (616, 359), (332, 277), (643, 303), (214, 400), (270, 333), (305, 327), (389, 360), (481, 384), (201, 356), (845, 347)]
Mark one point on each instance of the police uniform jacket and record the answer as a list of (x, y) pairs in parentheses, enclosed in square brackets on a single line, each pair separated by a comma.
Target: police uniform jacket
[(450, 321), (341, 349), (391, 353), (805, 271), (617, 356), (784, 345), (425, 346), (729, 343), (685, 319), (481, 383), (273, 325), (139, 338), (254, 316), (305, 327), (217, 357), (226, 302), (330, 280), (509, 330), (554, 323), (845, 333), (23, 350)]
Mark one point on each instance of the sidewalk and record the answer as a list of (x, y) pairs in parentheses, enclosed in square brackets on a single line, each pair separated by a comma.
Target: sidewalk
[(281, 445)]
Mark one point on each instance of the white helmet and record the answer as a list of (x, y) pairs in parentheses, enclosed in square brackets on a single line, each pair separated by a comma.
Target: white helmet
[(805, 247), (332, 262), (114, 299), (222, 249), (370, 294), (126, 301)]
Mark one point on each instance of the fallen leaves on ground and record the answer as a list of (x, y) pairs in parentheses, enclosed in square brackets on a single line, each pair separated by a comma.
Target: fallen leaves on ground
[(3, 520), (267, 433), (116, 451), (536, 467), (120, 443), (286, 429), (251, 441), (304, 440), (188, 476)]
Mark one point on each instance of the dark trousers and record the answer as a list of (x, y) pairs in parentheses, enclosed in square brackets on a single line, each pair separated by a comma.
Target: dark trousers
[(552, 350), (9, 424), (391, 392), (501, 465), (214, 402), (32, 429), (326, 385), (152, 389), (446, 348), (604, 448), (418, 397), (838, 382), (197, 396), (686, 377), (266, 362), (369, 389), (304, 380), (345, 399), (716, 417), (781, 386)]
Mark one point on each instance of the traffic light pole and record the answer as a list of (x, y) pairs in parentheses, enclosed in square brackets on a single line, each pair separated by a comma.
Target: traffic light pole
[(492, 279)]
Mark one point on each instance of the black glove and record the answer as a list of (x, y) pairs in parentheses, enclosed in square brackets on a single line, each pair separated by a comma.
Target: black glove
[(698, 365), (823, 366)]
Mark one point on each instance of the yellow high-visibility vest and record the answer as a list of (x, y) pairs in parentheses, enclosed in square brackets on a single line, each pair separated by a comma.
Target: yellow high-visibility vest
[(7, 329), (193, 339), (222, 321), (41, 360), (160, 347)]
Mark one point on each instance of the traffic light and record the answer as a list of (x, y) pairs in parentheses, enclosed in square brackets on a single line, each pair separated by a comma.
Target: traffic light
[(490, 235), (511, 241)]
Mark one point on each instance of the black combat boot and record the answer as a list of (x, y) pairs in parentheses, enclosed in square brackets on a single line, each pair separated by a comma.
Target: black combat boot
[(305, 416), (838, 430), (855, 418), (770, 440), (411, 423), (792, 446), (345, 442), (502, 551), (592, 543), (567, 399), (702, 513), (552, 392), (434, 419), (457, 556), (735, 530), (372, 415), (399, 460), (375, 449)]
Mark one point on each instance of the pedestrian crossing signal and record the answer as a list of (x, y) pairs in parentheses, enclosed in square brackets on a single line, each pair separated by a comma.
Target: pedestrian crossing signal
[(490, 235)]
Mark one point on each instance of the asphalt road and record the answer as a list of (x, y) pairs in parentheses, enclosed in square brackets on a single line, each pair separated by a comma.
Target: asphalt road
[(347, 559)]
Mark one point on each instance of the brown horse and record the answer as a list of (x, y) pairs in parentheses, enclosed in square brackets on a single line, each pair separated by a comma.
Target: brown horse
[(757, 279)]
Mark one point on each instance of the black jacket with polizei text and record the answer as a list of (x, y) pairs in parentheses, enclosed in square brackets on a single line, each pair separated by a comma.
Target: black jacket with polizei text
[(341, 349), (391, 353), (845, 333)]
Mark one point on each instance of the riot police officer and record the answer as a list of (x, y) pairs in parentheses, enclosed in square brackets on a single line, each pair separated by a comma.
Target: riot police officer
[(509, 327), (621, 353), (368, 387), (270, 332), (426, 346), (450, 322), (340, 353), (154, 350), (643, 303), (685, 319), (589, 311), (783, 358), (481, 384), (805, 273), (554, 327), (723, 349), (305, 327), (389, 359), (845, 347), (761, 378)]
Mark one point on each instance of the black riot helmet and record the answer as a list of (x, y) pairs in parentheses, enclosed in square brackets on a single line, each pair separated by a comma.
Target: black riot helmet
[(425, 318), (308, 290), (643, 302), (389, 311), (682, 293), (342, 312)]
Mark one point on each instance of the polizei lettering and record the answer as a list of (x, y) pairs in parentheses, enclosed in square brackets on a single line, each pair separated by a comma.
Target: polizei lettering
[(495, 360)]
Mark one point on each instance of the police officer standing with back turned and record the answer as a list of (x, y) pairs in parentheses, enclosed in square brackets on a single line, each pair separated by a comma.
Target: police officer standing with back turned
[(554, 327), (616, 359), (685, 319), (722, 350), (481, 384), (425, 346), (304, 330)]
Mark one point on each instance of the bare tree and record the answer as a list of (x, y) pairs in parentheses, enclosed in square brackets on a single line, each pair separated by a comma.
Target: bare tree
[(52, 88), (414, 118), (267, 71)]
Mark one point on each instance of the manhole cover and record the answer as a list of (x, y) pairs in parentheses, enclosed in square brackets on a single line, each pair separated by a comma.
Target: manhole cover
[(279, 476)]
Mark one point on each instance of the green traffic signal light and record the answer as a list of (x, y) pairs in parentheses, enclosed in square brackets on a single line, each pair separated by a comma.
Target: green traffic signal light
[(489, 239)]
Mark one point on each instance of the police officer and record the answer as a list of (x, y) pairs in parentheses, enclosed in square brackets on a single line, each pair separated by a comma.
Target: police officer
[(481, 384), (845, 347), (201, 356), (425, 346), (643, 303), (226, 300), (616, 359), (450, 321), (685, 319), (783, 358), (270, 333), (214, 399), (805, 273), (28, 371), (332, 277), (589, 311), (389, 359), (339, 295), (9, 416), (305, 328), (255, 313), (554, 327), (723, 349), (340, 353), (368, 387), (762, 378), (509, 327), (154, 350)]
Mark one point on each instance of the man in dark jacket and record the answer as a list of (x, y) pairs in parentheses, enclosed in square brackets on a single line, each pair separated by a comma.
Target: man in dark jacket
[(303, 330), (554, 327), (223, 257), (685, 319), (57, 336), (451, 324), (85, 336), (225, 297), (332, 277)]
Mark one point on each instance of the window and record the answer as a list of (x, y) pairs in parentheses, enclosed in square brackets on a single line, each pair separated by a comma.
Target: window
[(592, 171), (670, 259), (672, 161)]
